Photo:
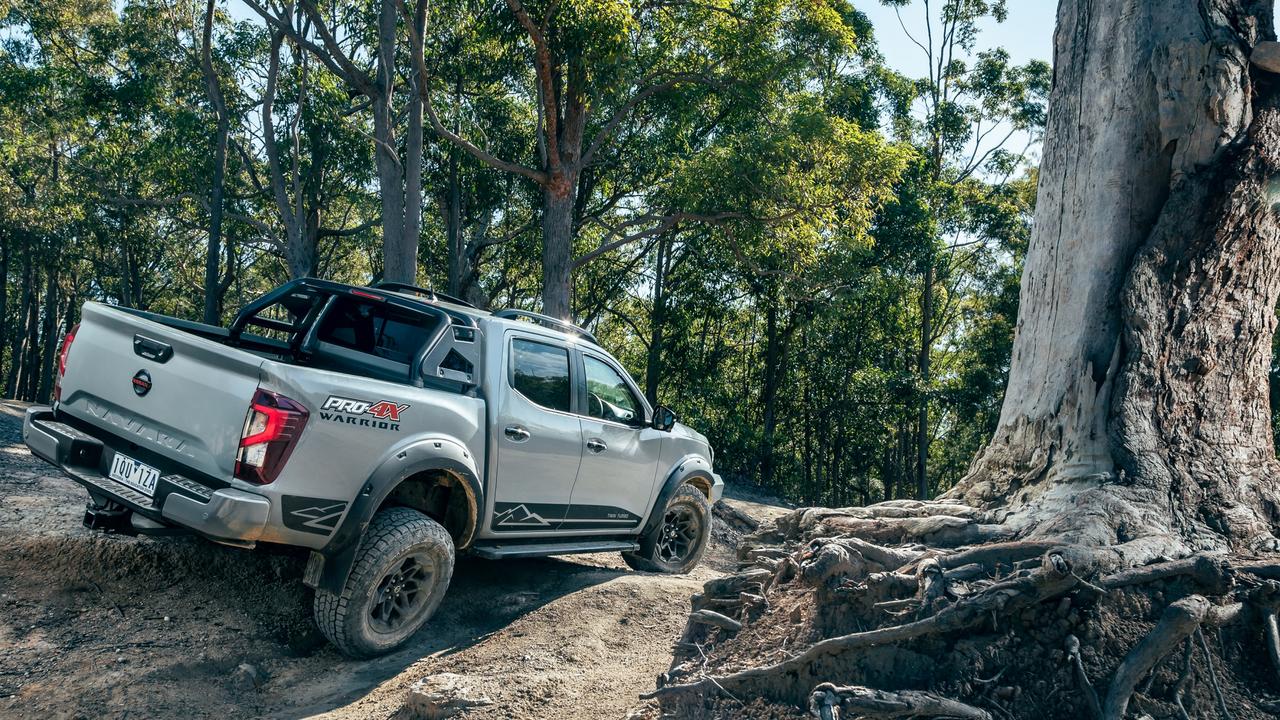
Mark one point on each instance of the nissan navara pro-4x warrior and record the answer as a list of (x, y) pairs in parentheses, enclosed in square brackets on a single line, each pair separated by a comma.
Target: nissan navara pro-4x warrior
[(384, 429)]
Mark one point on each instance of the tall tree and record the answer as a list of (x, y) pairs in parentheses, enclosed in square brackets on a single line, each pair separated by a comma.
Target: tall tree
[(1138, 383), (370, 70)]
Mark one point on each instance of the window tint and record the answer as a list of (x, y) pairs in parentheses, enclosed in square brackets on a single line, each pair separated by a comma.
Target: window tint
[(376, 329), (608, 395), (541, 373)]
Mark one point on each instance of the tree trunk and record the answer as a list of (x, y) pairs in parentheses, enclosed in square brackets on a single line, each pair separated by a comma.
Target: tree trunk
[(453, 228), (557, 250), (657, 322), (213, 251), (16, 349), (31, 346), (774, 354), (5, 254), (922, 422), (1138, 385), (49, 337)]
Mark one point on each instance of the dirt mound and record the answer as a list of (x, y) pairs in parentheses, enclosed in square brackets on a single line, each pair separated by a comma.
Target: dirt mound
[(830, 622)]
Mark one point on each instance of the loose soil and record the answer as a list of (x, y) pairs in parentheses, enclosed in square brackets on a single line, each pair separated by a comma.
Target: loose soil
[(103, 626)]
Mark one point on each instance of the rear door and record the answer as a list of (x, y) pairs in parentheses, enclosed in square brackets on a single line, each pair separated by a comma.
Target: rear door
[(620, 451), (538, 438), (171, 392)]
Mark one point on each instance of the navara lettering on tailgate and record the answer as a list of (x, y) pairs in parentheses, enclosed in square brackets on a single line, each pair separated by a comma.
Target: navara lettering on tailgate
[(386, 414)]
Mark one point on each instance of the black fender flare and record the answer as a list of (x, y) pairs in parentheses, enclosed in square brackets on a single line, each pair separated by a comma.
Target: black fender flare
[(689, 467), (422, 455)]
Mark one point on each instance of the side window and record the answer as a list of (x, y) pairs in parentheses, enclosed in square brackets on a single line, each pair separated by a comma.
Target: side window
[(376, 330), (608, 395), (540, 372)]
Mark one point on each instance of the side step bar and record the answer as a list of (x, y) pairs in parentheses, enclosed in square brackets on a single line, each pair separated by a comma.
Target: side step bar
[(520, 550)]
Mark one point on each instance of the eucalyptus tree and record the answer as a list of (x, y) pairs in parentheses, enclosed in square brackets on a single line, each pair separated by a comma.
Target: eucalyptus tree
[(362, 45), (602, 79)]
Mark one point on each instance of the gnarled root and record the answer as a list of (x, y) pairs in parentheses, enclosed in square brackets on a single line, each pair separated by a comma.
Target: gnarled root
[(1180, 620), (1059, 572), (829, 702), (873, 595)]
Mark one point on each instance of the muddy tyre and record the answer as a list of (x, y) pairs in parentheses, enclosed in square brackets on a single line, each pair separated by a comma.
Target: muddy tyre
[(400, 575), (676, 545)]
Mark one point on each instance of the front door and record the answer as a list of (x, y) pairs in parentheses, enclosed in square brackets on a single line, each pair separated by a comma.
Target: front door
[(538, 438), (620, 453)]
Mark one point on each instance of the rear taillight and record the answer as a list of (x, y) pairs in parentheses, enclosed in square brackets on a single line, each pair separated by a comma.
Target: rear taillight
[(62, 361), (271, 429)]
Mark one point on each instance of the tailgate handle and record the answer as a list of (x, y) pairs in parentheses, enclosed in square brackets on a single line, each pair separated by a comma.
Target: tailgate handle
[(144, 346)]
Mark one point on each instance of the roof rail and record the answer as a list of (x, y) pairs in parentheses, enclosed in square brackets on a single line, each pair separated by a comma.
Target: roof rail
[(546, 320), (430, 294)]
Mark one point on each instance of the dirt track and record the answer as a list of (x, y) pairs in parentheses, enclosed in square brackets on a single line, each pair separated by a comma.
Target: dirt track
[(99, 626)]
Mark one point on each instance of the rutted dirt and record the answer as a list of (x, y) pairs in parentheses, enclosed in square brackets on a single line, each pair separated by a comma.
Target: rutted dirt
[(99, 626)]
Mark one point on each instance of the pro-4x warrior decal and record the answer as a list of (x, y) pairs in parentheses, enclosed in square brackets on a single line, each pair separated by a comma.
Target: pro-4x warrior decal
[(311, 515), (514, 517), (379, 414)]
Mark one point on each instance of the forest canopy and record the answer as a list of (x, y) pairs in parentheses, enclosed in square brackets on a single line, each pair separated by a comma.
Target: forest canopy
[(811, 256)]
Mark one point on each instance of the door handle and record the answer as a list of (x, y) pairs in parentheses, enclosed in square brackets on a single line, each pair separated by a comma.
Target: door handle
[(596, 445), (516, 433)]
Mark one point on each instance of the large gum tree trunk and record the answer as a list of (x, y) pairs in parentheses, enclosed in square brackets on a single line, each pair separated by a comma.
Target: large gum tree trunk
[(1137, 401)]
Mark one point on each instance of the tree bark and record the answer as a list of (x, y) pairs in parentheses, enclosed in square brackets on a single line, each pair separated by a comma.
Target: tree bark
[(1138, 385), (17, 348), (926, 348), (657, 322), (213, 250), (49, 337), (557, 250)]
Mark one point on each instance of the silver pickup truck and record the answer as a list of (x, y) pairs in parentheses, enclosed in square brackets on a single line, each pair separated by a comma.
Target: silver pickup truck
[(383, 428)]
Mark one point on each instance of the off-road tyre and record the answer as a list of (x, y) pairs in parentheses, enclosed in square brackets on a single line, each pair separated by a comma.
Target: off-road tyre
[(689, 504), (397, 538)]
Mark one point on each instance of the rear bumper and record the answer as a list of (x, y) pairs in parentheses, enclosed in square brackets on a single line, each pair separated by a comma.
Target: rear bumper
[(226, 515)]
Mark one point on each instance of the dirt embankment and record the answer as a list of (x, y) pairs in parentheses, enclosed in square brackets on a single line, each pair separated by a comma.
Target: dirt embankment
[(99, 626)]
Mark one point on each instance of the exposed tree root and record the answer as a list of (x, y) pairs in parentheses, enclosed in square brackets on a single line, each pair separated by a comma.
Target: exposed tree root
[(852, 594), (832, 703), (1180, 620)]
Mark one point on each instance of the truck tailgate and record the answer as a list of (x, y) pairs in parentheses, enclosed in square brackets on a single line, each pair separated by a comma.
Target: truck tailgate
[(194, 409)]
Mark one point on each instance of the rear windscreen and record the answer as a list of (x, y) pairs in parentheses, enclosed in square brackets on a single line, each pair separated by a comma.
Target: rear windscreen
[(376, 329)]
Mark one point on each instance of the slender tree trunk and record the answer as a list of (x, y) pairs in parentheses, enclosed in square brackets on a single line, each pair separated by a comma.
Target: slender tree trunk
[(31, 346), (4, 294), (18, 345), (926, 350), (1138, 386), (213, 251), (771, 381), (657, 322), (453, 231), (49, 337)]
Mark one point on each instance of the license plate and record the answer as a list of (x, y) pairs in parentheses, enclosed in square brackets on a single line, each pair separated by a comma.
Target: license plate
[(137, 475)]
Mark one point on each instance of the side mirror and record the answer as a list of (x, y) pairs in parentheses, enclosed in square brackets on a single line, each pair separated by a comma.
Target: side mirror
[(663, 418)]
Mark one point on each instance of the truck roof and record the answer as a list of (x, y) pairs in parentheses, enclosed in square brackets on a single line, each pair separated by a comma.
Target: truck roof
[(552, 326)]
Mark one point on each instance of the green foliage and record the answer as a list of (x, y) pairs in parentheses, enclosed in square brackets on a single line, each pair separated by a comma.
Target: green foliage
[(757, 219)]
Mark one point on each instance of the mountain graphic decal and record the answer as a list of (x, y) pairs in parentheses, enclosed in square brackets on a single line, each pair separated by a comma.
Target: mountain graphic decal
[(519, 516)]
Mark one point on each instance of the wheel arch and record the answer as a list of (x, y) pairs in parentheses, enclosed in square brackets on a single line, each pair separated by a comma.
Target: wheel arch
[(407, 478), (692, 470)]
